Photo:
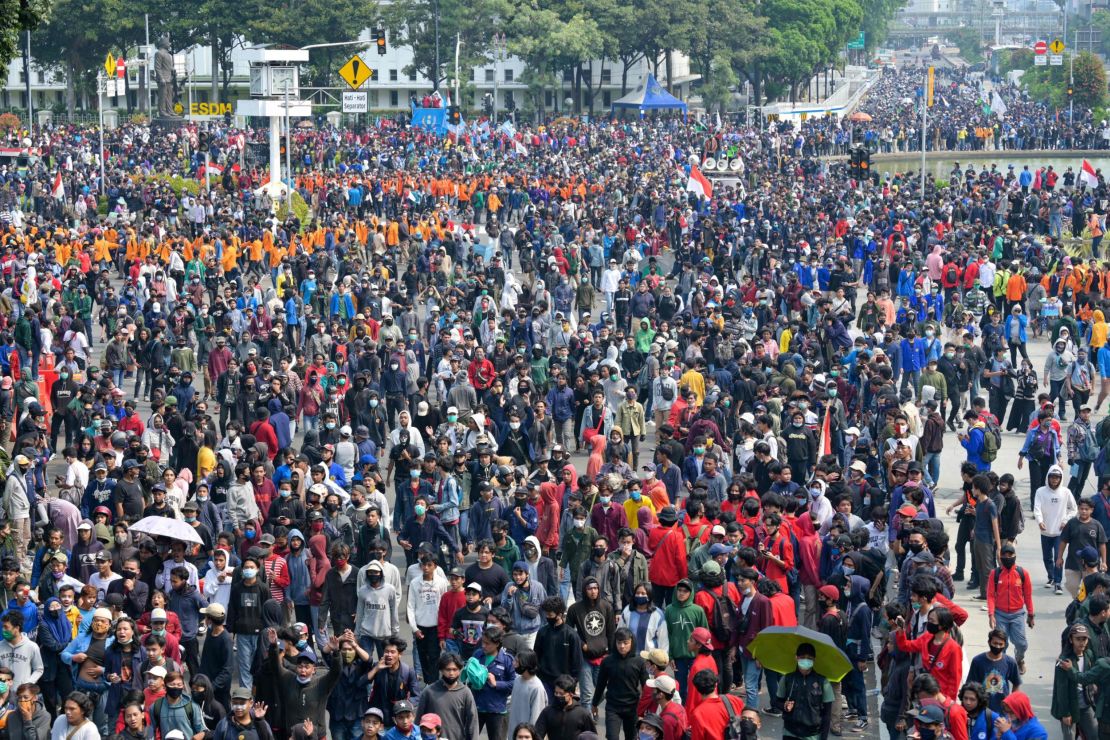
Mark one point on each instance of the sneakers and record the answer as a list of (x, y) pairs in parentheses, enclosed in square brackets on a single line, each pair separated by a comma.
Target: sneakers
[(1059, 590), (978, 597), (958, 577), (1021, 667), (772, 712), (860, 726), (1050, 584)]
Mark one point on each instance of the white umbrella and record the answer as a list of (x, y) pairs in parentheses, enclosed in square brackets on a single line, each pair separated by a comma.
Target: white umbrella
[(161, 526)]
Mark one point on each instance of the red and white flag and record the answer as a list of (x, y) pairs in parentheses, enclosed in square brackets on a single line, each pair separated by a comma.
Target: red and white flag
[(699, 184), (1087, 175), (58, 191)]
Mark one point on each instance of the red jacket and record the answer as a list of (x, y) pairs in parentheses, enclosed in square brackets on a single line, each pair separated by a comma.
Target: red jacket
[(945, 664), (782, 607), (944, 275), (263, 431), (958, 612), (711, 718), (971, 274), (481, 374), (693, 698), (449, 603), (668, 564), (1013, 592)]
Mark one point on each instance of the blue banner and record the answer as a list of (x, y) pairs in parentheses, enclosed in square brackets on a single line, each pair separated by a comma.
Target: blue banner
[(430, 119)]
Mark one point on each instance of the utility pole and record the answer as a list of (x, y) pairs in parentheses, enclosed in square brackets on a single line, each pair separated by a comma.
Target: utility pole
[(498, 52), (27, 76), (436, 74), (101, 83)]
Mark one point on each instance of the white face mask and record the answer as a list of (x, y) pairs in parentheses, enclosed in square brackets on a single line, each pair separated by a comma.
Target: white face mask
[(579, 523)]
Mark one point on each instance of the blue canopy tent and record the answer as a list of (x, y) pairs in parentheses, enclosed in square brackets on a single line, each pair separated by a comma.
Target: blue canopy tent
[(650, 96)]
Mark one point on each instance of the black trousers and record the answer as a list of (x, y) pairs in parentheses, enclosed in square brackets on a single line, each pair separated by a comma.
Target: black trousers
[(428, 649)]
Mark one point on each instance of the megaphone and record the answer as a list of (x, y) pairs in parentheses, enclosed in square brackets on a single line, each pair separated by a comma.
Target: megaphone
[(710, 164), (722, 164), (736, 165)]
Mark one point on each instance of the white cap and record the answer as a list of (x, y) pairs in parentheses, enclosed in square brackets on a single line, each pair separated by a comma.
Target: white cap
[(103, 613), (474, 586), (718, 530), (345, 430), (157, 671), (156, 614), (452, 409)]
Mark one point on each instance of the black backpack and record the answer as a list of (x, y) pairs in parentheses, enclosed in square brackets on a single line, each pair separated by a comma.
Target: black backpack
[(666, 390), (724, 615), (734, 730)]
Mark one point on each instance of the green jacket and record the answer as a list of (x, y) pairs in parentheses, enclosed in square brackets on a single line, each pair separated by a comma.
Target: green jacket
[(507, 554), (1098, 674), (1065, 685), (682, 617), (935, 379), (576, 548)]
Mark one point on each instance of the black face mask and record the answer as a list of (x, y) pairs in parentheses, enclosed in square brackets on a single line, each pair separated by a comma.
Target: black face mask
[(553, 621), (1009, 562), (996, 650), (174, 692), (916, 547), (932, 628), (449, 681), (560, 701)]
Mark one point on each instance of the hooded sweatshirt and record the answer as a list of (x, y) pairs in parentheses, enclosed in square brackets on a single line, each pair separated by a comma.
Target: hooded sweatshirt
[(1026, 725), (377, 615), (1053, 507), (860, 618), (541, 569), (595, 621), (682, 617), (298, 570)]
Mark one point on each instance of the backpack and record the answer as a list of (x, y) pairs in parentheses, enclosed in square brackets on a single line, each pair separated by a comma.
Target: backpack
[(693, 541), (686, 732), (724, 615), (1089, 447), (989, 453), (1021, 577), (1041, 446), (666, 390), (951, 274), (734, 729)]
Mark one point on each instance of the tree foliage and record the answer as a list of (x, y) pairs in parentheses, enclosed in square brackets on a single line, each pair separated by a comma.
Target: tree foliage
[(1050, 83)]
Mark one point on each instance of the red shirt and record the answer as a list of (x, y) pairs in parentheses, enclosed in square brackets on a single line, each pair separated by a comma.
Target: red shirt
[(693, 698), (707, 602), (668, 564), (711, 717), (781, 548), (782, 606), (449, 603), (944, 664)]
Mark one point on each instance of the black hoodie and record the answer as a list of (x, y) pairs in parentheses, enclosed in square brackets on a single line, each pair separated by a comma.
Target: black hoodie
[(624, 678)]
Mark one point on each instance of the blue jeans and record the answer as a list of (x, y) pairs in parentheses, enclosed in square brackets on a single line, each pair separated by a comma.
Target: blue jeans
[(587, 681), (117, 376), (752, 674), (855, 692), (1013, 624), (682, 675), (245, 648), (1048, 557), (372, 645), (932, 467)]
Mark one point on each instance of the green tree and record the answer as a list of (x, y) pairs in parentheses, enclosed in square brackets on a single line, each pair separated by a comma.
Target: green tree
[(16, 18), (1090, 81), (969, 42)]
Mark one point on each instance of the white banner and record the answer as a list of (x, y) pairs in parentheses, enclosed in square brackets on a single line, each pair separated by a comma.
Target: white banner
[(355, 102)]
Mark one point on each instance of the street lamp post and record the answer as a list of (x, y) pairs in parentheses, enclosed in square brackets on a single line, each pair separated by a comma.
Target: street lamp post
[(498, 53), (435, 76)]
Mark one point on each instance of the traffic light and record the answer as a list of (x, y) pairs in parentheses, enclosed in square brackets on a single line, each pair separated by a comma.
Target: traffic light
[(379, 39), (860, 163), (487, 104), (454, 115), (1071, 91)]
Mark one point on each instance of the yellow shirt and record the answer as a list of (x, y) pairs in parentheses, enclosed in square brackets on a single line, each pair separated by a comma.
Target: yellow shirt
[(694, 380), (206, 462), (632, 510)]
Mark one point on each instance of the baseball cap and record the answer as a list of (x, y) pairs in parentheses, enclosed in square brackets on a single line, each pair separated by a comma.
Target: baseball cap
[(374, 712), (431, 720), (473, 586), (306, 656), (457, 572), (658, 656), (719, 548), (175, 735), (1079, 630), (908, 510), (829, 592), (104, 557), (718, 530), (930, 714), (266, 539), (702, 636), (240, 693), (85, 524), (161, 673), (400, 707), (215, 610), (664, 683), (158, 615)]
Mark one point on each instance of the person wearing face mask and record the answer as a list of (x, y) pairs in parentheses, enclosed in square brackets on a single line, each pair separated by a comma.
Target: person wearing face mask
[(246, 720), (304, 693), (995, 671), (244, 615), (350, 698), (941, 655), (564, 717), (376, 617), (1010, 602), (451, 700), (807, 698), (577, 547)]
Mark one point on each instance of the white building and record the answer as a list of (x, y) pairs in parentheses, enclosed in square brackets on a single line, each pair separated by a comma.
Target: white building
[(390, 88)]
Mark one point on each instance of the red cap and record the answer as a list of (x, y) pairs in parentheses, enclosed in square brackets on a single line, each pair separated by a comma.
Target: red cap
[(431, 720), (908, 510), (703, 637), (830, 592)]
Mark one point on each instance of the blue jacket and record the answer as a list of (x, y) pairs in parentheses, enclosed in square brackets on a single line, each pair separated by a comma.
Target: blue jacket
[(30, 615), (974, 445), (493, 699), (913, 355), (113, 663), (350, 698), (80, 644), (187, 604), (519, 601), (859, 621), (561, 403), (519, 531), (1006, 331)]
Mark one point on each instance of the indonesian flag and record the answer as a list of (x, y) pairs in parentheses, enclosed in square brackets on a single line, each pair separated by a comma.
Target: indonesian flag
[(825, 442), (58, 191), (520, 148), (1087, 175), (699, 184)]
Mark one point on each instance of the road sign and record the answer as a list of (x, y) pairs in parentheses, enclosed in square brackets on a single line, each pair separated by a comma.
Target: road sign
[(1056, 60), (1040, 48), (858, 42), (1040, 60), (355, 102), (355, 72), (1056, 47), (121, 67), (110, 65), (929, 88), (110, 87)]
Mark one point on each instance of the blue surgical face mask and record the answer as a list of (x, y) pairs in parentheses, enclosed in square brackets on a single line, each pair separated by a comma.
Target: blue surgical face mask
[(848, 571), (805, 664)]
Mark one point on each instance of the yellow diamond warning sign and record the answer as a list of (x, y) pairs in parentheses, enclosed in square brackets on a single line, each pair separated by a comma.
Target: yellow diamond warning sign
[(355, 72)]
